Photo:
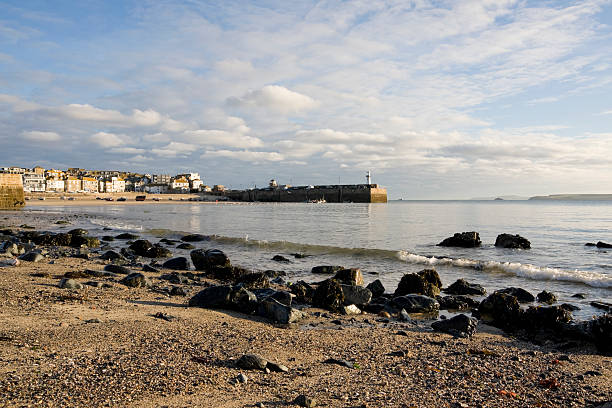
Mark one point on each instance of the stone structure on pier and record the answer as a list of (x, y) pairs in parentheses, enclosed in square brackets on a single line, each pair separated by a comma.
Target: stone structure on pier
[(11, 191)]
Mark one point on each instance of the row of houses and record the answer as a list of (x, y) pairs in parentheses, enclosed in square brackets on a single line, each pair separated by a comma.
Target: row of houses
[(76, 180)]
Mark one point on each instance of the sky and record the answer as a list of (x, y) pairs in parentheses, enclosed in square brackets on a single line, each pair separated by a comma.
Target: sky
[(438, 99)]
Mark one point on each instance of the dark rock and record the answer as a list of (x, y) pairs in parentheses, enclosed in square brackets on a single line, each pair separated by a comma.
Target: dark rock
[(458, 326), (226, 273), (205, 260), (67, 283), (32, 257), (178, 291), (175, 277), (282, 297), (242, 300), (280, 258), (340, 362), (352, 276), (456, 302), (303, 291), (77, 231), (276, 367), (329, 295), (164, 316), (431, 276), (603, 245), (536, 318), (305, 401), (149, 268), (136, 280), (127, 236), (569, 308), (185, 246), (252, 362), (464, 240), (580, 295), (520, 294), (356, 295), (417, 284), (50, 239), (602, 305), (111, 256), (278, 312), (376, 288), (157, 251), (141, 247), (546, 297), (299, 255), (108, 238), (168, 241), (82, 253), (195, 238), (462, 287), (179, 263), (500, 310), (326, 269), (600, 329), (118, 269), (78, 241), (414, 304), (512, 241), (254, 280), (212, 297)]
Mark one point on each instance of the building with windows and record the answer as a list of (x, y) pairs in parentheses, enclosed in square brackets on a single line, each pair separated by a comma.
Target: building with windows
[(72, 184), (89, 185), (34, 183)]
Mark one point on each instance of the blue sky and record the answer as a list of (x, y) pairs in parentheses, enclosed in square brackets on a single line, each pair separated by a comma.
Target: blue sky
[(439, 99)]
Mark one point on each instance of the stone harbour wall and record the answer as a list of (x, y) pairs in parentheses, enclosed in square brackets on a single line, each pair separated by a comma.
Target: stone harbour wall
[(11, 192)]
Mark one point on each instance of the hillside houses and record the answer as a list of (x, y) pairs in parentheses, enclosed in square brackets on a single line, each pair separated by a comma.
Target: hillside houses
[(78, 180)]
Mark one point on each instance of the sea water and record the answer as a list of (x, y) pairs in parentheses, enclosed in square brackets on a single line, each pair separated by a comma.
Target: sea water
[(389, 240)]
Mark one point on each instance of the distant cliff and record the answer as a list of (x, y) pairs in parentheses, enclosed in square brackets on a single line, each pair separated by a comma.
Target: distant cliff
[(575, 197)]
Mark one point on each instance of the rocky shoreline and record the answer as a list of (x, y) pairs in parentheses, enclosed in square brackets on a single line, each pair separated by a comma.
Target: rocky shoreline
[(116, 320)]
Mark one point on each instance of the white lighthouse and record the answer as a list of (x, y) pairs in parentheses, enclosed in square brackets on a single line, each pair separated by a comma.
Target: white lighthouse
[(368, 178)]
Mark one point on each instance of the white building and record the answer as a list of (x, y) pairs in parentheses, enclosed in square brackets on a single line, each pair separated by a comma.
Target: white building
[(34, 183), (180, 184), (55, 185), (156, 188)]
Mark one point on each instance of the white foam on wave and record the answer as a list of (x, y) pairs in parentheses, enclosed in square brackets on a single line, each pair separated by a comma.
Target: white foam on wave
[(593, 279), (116, 224)]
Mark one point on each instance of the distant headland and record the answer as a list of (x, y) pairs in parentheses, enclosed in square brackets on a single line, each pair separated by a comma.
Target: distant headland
[(575, 197)]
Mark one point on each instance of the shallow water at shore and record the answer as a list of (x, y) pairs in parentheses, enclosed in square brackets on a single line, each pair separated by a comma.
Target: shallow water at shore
[(388, 240)]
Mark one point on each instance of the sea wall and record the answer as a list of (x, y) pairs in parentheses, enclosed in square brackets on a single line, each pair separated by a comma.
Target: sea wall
[(11, 192), (353, 193)]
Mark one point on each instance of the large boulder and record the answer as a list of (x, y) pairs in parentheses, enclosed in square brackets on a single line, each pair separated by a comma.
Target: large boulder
[(463, 287), (142, 247), (414, 304), (111, 256), (77, 231), (356, 295), (546, 297), (303, 291), (329, 295), (427, 282), (458, 326), (500, 310), (205, 260), (227, 273), (118, 269), (600, 330), (179, 263), (463, 239), (212, 297), (376, 288), (158, 251), (68, 283), (352, 276), (326, 269), (126, 236), (78, 241), (512, 241), (278, 312), (520, 294), (456, 302), (537, 318)]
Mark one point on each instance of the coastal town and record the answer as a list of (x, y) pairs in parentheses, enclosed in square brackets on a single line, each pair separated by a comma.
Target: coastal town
[(77, 180)]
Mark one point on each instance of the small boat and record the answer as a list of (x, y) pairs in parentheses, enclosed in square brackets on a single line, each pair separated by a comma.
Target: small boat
[(122, 199), (156, 199), (141, 197), (320, 201)]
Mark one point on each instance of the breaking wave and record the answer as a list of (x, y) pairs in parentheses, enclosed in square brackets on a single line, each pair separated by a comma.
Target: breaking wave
[(528, 271)]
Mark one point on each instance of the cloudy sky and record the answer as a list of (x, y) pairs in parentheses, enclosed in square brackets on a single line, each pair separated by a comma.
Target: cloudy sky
[(439, 99)]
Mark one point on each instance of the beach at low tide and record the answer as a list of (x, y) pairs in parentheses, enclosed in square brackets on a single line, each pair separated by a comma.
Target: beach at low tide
[(119, 346)]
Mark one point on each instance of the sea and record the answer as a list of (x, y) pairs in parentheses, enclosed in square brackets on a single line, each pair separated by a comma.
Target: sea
[(389, 240)]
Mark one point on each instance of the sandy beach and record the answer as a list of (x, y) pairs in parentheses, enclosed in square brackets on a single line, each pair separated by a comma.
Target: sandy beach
[(103, 199), (114, 345)]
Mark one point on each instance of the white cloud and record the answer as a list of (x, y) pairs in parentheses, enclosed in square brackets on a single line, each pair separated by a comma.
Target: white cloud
[(244, 155), (275, 98), (222, 138), (127, 150), (175, 149), (104, 139), (38, 136)]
